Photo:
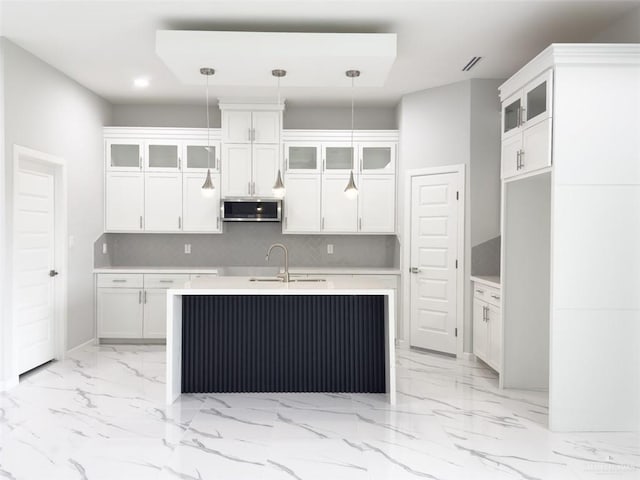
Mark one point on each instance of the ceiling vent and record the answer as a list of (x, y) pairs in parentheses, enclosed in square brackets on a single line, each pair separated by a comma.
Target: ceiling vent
[(472, 63)]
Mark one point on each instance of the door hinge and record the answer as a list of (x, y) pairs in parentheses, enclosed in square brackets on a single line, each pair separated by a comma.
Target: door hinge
[(457, 195), (456, 331), (456, 264)]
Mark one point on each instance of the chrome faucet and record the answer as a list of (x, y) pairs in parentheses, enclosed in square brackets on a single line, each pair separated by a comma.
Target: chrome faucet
[(285, 275)]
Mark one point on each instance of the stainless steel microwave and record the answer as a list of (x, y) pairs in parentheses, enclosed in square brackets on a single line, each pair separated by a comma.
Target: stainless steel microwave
[(251, 210)]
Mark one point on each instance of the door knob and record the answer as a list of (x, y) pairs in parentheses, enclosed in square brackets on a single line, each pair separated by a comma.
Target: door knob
[(52, 273), (414, 270)]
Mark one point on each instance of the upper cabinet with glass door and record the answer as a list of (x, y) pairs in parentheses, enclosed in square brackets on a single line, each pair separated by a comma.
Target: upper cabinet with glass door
[(529, 106), (302, 157), (163, 156), (124, 155), (337, 157), (377, 157), (198, 156)]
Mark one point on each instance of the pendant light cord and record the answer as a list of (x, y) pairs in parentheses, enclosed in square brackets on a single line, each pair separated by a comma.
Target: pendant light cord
[(352, 122), (208, 138)]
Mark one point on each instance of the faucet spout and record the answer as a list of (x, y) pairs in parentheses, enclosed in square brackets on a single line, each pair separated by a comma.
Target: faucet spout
[(285, 275)]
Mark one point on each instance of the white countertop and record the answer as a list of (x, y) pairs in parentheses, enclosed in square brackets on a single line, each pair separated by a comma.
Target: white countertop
[(243, 286), (215, 270), (491, 281)]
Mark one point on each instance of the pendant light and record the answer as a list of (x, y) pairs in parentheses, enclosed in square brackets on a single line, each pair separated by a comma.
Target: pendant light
[(278, 187), (351, 191), (207, 187)]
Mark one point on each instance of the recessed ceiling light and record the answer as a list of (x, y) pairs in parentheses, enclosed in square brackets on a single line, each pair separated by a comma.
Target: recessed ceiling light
[(141, 82)]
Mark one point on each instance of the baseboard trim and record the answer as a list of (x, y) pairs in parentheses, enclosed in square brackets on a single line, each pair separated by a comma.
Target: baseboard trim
[(82, 345)]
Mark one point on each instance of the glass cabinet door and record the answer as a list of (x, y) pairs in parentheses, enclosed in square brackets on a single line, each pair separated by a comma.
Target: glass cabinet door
[(197, 157), (302, 158), (537, 99), (338, 158), (511, 114), (124, 155), (163, 156), (377, 158)]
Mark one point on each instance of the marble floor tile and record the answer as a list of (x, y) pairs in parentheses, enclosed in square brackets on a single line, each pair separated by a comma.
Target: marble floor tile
[(100, 414)]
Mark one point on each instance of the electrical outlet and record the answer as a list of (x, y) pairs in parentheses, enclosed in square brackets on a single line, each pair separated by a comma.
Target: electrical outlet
[(104, 248), (330, 248), (187, 248)]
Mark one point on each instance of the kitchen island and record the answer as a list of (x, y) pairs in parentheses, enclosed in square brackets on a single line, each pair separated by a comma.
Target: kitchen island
[(241, 334)]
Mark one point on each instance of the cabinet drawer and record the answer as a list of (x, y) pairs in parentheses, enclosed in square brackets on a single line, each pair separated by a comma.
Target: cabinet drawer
[(159, 280), (203, 275), (120, 280), (486, 294)]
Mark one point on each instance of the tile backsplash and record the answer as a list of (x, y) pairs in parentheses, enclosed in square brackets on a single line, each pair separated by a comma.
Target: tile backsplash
[(244, 244)]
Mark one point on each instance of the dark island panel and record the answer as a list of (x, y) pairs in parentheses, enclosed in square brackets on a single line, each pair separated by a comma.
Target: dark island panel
[(283, 343)]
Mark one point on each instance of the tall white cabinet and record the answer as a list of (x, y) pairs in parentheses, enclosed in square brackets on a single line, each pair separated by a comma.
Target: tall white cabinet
[(570, 234), (251, 148)]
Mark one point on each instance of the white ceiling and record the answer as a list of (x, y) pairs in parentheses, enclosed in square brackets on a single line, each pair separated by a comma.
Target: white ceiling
[(105, 44)]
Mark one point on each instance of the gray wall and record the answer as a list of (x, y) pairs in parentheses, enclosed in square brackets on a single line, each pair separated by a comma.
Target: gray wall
[(5, 330), (244, 244), (47, 111), (313, 117), (450, 125), (624, 30)]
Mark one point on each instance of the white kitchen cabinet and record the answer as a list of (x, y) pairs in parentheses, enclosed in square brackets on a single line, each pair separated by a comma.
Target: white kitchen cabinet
[(338, 157), (376, 203), (124, 155), (487, 325), (154, 323), (339, 213), (377, 158), (302, 207), (163, 156), (246, 126), (302, 157), (119, 312), (236, 169), (124, 202), (264, 169), (511, 151), (196, 158), (200, 214), (536, 147), (528, 106), (163, 202)]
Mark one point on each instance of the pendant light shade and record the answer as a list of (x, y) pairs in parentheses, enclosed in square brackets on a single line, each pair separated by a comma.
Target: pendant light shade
[(278, 187), (351, 190), (207, 188)]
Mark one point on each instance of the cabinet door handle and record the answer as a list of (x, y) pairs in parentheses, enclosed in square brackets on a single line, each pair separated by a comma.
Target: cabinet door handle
[(481, 292), (360, 223), (140, 222), (140, 162), (484, 314), (324, 164), (248, 188), (119, 280), (249, 134), (166, 281), (145, 296), (286, 164), (322, 224), (253, 134), (495, 297), (217, 223), (285, 222), (179, 223), (179, 163), (518, 160), (139, 296), (523, 117), (521, 158)]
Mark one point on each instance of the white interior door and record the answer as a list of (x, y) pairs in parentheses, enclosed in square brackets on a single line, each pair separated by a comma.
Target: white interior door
[(34, 226), (434, 252)]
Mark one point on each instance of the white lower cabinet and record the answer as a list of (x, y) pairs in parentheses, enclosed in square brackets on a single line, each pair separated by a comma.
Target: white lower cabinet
[(339, 213), (376, 204), (200, 213), (134, 313), (487, 325), (119, 312), (163, 202), (124, 202), (302, 204)]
